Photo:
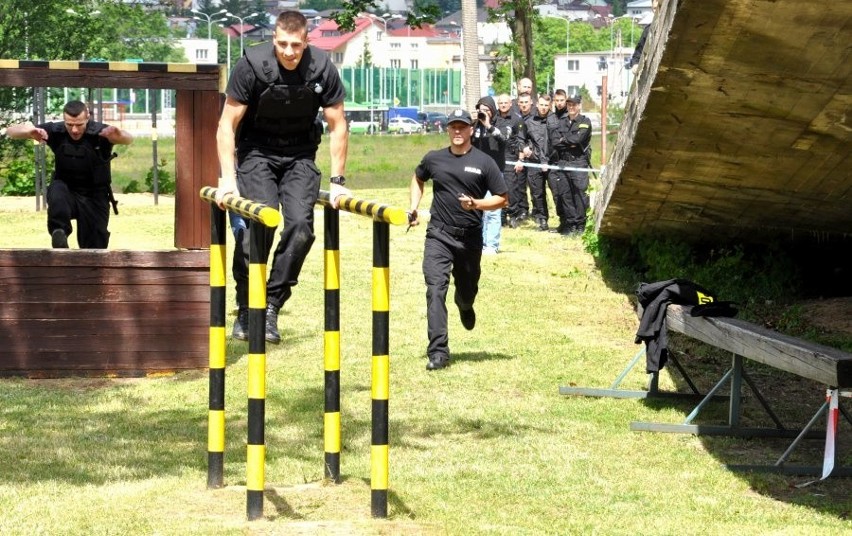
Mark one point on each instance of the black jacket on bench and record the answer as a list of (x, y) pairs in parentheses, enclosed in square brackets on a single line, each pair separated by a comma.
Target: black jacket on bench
[(654, 298)]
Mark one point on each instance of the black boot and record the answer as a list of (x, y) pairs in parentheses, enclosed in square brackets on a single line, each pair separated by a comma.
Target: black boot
[(240, 331), (272, 334)]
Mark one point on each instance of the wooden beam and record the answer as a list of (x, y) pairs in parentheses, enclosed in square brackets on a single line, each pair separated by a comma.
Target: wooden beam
[(823, 364)]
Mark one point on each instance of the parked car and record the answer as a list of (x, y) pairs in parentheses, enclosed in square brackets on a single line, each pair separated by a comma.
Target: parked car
[(437, 121), (433, 121), (403, 125)]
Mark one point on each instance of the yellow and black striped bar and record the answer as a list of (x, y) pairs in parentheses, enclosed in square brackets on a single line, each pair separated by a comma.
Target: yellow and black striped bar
[(371, 209), (259, 215), (256, 449), (331, 345), (259, 212), (379, 449), (216, 417), (121, 74)]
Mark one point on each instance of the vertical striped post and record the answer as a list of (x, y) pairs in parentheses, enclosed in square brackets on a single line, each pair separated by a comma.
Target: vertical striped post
[(331, 345), (381, 370), (256, 448), (216, 403)]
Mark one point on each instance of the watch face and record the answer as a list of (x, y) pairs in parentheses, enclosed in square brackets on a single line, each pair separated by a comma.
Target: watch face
[(338, 180)]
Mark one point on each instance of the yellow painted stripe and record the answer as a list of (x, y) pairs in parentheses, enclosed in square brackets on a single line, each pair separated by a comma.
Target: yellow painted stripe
[(381, 371), (255, 458), (216, 431), (257, 292), (332, 269), (331, 347), (223, 78), (181, 67), (153, 133), (217, 347), (269, 217), (332, 432), (257, 376), (9, 64), (123, 66), (63, 64), (217, 265), (381, 289), (379, 467)]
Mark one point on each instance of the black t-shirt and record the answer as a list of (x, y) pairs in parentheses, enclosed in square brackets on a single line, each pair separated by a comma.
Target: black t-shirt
[(473, 173), (57, 135), (244, 87)]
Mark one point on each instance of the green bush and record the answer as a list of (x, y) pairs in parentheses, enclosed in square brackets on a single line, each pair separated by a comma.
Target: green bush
[(165, 181), (20, 178)]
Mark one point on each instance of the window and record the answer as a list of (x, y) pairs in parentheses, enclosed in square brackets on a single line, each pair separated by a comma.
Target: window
[(331, 33), (414, 64), (396, 64), (201, 54), (574, 65), (338, 57), (396, 45)]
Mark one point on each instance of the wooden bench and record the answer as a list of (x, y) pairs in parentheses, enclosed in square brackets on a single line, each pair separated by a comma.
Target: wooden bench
[(822, 364)]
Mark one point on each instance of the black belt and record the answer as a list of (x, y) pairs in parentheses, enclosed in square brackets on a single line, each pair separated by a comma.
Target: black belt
[(456, 232)]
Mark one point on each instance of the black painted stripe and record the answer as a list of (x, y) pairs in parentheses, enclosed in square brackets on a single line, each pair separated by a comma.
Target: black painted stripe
[(380, 422)]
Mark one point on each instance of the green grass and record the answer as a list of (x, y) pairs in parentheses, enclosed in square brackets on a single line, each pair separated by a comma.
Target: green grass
[(487, 446)]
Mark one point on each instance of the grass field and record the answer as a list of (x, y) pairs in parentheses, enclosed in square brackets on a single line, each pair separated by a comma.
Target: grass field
[(487, 446)]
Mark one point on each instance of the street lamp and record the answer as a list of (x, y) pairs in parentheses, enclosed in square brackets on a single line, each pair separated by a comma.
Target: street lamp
[(242, 24), (208, 18), (567, 48)]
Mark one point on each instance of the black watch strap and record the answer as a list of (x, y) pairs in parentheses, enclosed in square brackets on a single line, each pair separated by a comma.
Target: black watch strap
[(338, 179)]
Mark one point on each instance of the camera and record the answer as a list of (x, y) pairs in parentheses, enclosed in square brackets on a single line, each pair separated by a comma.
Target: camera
[(481, 116)]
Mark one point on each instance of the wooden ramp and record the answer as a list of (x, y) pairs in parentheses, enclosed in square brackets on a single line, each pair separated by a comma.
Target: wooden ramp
[(738, 125)]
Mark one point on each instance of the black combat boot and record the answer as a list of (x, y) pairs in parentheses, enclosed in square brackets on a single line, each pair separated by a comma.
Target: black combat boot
[(240, 331), (272, 334)]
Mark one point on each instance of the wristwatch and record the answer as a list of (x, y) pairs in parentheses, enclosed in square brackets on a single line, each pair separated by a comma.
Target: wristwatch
[(338, 179)]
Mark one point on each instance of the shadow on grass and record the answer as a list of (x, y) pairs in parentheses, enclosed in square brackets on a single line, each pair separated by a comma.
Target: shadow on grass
[(794, 400)]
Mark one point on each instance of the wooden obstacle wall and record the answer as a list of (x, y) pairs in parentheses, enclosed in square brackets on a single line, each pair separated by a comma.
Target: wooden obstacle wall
[(123, 313), (95, 312)]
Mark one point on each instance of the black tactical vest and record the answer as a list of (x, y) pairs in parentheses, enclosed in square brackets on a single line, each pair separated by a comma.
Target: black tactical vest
[(285, 115), (84, 163)]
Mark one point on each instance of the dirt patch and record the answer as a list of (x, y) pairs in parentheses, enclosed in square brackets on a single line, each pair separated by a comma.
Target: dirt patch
[(833, 315)]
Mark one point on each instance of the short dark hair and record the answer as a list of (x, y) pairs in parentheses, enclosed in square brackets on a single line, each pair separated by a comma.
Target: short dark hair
[(74, 108), (292, 21), (560, 92)]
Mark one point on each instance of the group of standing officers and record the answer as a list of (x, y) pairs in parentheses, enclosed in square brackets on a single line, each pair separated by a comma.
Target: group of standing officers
[(547, 145)]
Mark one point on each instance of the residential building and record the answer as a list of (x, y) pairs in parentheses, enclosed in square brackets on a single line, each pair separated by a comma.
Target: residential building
[(587, 69)]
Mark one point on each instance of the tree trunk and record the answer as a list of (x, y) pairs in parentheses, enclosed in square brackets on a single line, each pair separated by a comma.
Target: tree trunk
[(522, 33)]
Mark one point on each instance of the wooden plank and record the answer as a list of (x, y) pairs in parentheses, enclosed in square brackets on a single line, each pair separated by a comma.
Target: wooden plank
[(117, 311), (106, 293), (99, 75), (823, 364), (60, 276), (124, 259), (106, 362)]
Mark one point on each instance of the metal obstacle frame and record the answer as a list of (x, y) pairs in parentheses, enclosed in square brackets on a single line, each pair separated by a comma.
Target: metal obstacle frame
[(258, 214)]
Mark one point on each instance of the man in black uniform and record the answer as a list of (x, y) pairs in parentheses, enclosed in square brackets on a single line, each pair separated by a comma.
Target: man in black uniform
[(270, 119), (80, 186), (461, 177), (570, 136), (535, 152)]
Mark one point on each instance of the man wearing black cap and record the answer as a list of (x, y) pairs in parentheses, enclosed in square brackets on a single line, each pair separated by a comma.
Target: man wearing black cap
[(462, 177), (570, 141)]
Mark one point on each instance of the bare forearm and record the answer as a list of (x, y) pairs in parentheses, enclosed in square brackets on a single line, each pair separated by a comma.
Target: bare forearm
[(339, 147)]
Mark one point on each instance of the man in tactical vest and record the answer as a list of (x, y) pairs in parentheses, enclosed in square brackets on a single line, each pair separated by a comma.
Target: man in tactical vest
[(80, 186), (267, 141), (570, 135)]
